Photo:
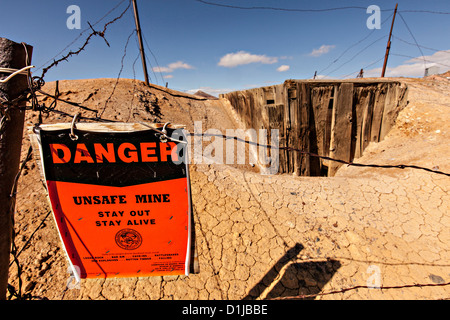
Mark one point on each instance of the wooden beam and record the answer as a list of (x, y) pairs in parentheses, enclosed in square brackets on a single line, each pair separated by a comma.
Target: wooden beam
[(341, 127), (378, 110), (304, 133)]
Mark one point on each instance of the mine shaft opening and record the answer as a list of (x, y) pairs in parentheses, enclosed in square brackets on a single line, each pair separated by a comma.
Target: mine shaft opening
[(335, 119)]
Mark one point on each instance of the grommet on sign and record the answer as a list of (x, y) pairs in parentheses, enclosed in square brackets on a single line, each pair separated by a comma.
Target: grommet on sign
[(72, 135), (163, 134), (164, 137)]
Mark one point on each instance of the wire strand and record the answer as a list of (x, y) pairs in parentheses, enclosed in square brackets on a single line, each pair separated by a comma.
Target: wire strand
[(357, 54), (412, 35), (353, 45), (14, 72), (407, 56), (283, 9), (428, 48)]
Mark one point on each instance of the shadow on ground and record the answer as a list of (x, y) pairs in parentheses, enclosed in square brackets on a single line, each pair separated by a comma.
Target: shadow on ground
[(297, 278)]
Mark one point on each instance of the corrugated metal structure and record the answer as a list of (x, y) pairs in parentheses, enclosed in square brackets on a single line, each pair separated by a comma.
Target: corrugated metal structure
[(330, 118)]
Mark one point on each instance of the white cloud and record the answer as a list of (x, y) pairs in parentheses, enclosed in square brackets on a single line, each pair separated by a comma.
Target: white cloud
[(180, 65), (232, 60), (322, 50), (415, 67), (168, 76), (161, 69), (283, 68), (173, 66)]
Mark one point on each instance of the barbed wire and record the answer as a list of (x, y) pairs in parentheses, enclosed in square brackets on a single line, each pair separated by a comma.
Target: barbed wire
[(92, 34), (36, 84), (348, 163), (120, 73), (415, 285), (81, 34)]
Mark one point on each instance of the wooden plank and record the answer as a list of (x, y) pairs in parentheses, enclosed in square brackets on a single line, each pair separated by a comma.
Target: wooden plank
[(303, 163), (341, 131), (292, 124), (320, 126), (378, 110), (360, 98), (276, 121), (327, 138), (391, 110), (288, 96), (367, 120)]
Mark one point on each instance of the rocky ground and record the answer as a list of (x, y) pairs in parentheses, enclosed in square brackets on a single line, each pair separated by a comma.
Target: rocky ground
[(270, 237)]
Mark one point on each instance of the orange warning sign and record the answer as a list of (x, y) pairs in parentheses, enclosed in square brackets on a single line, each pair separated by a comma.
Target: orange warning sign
[(121, 204)]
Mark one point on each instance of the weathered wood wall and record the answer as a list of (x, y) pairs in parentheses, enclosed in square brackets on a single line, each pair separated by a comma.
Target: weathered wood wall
[(330, 118)]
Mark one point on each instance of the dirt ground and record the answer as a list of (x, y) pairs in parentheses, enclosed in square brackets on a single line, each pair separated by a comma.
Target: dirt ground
[(276, 236)]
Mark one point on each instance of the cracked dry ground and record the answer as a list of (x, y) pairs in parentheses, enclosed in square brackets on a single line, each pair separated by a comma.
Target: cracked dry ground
[(263, 237)]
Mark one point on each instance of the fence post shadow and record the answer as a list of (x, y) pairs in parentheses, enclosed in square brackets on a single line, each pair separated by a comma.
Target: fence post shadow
[(299, 278)]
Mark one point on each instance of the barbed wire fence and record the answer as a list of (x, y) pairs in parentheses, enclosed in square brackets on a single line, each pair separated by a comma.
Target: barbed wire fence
[(37, 83)]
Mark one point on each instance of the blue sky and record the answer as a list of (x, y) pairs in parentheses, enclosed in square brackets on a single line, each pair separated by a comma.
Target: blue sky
[(199, 46)]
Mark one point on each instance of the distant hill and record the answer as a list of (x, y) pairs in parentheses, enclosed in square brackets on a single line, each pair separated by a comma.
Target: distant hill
[(205, 95)]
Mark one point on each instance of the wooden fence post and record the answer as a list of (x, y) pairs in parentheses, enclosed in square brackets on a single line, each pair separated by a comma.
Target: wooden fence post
[(12, 55)]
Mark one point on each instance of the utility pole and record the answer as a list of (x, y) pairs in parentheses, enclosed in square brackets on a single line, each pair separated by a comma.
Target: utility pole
[(13, 56), (388, 48), (138, 29)]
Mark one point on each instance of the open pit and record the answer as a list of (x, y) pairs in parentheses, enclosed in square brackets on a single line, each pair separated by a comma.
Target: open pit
[(336, 119)]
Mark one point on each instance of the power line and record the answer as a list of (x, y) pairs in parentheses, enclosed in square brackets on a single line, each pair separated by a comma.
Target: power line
[(357, 54), (425, 11), (156, 60), (312, 10), (353, 45), (407, 56), (428, 48), (283, 9), (365, 67), (412, 35)]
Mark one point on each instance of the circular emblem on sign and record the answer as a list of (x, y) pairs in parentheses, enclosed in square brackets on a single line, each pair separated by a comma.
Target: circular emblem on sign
[(128, 239)]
